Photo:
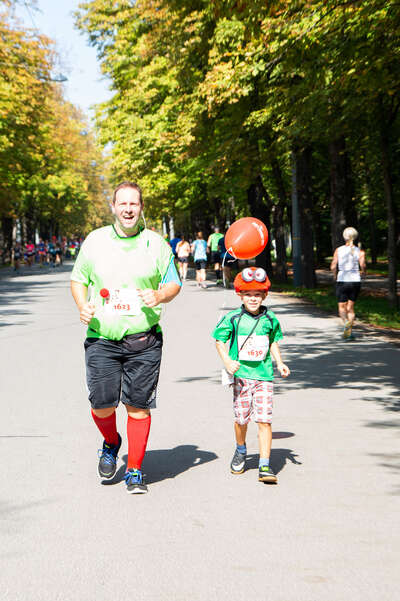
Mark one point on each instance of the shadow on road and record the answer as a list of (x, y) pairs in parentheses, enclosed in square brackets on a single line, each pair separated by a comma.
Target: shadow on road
[(370, 371), (215, 379), (276, 435), (25, 292), (279, 458), (161, 464), (390, 462), (367, 366)]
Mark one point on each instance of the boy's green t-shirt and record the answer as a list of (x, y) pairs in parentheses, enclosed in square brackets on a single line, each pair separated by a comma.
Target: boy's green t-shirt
[(227, 329), (109, 261)]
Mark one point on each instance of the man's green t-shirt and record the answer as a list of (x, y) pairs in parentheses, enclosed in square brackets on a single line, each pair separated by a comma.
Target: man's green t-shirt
[(109, 261), (267, 326), (214, 238)]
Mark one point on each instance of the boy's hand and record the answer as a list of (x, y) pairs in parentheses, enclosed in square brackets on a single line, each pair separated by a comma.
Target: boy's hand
[(231, 366), (283, 370)]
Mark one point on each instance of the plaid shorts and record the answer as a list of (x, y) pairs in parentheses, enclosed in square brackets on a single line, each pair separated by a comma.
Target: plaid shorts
[(252, 397)]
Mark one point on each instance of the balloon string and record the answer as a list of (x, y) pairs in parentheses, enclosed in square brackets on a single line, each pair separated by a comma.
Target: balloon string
[(223, 270), (231, 252), (224, 260)]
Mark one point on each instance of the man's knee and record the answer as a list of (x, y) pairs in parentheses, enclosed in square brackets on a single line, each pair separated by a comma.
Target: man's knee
[(137, 413), (103, 413)]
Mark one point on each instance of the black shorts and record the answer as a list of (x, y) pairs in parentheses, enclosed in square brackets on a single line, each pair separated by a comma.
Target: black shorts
[(124, 370), (200, 264), (215, 257), (346, 291), (183, 259)]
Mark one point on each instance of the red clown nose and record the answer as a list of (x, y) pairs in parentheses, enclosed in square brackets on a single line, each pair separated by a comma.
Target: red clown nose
[(104, 293)]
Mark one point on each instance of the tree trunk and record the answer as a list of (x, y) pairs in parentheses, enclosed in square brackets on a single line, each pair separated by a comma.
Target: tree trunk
[(371, 217), (391, 214), (260, 207), (340, 191), (372, 234), (305, 200), (279, 228), (7, 233)]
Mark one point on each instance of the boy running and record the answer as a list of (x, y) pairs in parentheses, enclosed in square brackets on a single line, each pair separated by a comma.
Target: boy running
[(253, 332)]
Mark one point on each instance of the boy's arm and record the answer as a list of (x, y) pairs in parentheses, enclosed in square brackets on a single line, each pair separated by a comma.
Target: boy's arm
[(231, 366), (276, 354)]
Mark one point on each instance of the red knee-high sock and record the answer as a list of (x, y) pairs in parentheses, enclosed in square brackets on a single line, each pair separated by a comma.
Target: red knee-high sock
[(108, 427), (138, 434)]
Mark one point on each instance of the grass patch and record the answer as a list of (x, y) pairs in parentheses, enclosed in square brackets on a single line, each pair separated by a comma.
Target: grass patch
[(369, 309)]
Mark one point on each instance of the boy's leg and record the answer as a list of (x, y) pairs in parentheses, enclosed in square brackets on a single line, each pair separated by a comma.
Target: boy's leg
[(240, 434), (263, 403), (264, 441), (242, 410), (265, 472)]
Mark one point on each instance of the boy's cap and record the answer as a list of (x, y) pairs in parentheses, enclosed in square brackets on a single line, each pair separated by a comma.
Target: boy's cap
[(252, 278)]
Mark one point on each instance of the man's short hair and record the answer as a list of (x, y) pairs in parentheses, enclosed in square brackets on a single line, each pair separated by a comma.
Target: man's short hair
[(128, 185)]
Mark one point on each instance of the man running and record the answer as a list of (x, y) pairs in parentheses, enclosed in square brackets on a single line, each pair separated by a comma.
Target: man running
[(41, 251), (212, 247), (131, 272)]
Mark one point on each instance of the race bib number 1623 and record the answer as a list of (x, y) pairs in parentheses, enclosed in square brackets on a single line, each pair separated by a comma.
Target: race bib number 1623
[(124, 301)]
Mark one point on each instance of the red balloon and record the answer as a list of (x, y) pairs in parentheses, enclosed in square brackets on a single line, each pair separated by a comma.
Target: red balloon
[(246, 238), (104, 293)]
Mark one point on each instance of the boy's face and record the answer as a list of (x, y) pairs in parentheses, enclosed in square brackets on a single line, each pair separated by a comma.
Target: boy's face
[(252, 300)]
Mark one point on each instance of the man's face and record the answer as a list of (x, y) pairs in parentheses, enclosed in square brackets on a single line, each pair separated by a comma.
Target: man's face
[(127, 209), (252, 300)]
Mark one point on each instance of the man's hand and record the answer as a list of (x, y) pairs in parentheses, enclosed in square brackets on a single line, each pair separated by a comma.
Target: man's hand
[(283, 370), (231, 366), (86, 313), (151, 298)]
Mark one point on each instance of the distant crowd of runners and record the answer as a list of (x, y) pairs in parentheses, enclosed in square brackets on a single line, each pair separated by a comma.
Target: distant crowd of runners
[(45, 252)]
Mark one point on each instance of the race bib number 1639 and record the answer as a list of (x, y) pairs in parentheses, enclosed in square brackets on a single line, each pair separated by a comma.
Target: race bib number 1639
[(254, 349)]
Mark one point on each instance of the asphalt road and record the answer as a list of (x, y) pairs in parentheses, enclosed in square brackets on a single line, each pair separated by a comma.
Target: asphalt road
[(328, 531)]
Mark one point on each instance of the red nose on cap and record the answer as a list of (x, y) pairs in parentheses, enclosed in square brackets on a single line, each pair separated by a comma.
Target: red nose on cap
[(104, 293)]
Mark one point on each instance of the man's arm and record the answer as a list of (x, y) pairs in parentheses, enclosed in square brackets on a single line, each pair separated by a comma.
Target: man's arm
[(86, 310), (165, 294)]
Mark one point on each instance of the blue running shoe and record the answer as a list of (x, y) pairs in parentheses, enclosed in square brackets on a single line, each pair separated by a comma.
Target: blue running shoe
[(108, 459), (238, 462), (134, 482)]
